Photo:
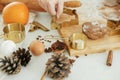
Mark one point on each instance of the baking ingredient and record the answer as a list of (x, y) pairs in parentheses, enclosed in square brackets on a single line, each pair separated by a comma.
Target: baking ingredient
[(110, 3), (15, 12), (94, 30), (58, 67), (37, 47), (71, 61), (48, 50), (23, 55), (58, 47), (111, 13), (7, 47), (109, 58), (43, 39), (10, 65)]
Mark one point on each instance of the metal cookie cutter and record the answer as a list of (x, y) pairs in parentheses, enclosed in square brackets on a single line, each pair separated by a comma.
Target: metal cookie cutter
[(14, 32), (78, 41)]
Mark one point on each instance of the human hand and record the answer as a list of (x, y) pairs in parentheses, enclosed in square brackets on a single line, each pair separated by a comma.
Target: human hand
[(54, 7)]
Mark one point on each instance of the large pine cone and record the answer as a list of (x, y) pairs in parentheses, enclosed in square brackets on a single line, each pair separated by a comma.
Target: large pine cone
[(23, 55), (58, 67), (10, 65)]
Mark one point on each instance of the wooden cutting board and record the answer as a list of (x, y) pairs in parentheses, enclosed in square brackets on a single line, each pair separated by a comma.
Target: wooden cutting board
[(87, 14), (92, 46)]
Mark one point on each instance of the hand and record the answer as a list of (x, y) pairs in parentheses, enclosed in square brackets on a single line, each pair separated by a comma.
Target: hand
[(54, 7)]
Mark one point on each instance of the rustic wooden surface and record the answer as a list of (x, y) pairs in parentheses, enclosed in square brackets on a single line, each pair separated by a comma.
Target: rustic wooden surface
[(90, 14), (92, 46)]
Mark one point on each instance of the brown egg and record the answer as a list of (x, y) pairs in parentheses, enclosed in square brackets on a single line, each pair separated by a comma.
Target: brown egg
[(37, 47)]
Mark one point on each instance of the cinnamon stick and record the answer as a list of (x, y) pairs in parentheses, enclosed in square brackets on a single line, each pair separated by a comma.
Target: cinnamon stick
[(72, 4), (43, 76), (109, 58)]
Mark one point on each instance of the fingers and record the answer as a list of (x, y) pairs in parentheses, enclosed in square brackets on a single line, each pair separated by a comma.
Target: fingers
[(54, 7), (59, 8), (51, 8)]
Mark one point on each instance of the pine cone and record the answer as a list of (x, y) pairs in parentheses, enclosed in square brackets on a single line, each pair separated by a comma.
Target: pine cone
[(23, 55), (58, 67), (10, 65)]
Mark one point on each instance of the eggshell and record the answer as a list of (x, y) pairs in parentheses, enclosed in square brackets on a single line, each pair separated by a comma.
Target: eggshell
[(7, 47), (37, 47)]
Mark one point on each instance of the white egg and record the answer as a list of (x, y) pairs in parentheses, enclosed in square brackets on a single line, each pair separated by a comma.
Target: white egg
[(7, 47)]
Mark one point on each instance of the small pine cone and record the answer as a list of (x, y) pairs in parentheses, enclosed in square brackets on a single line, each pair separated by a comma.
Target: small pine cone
[(58, 66), (10, 65), (23, 55)]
